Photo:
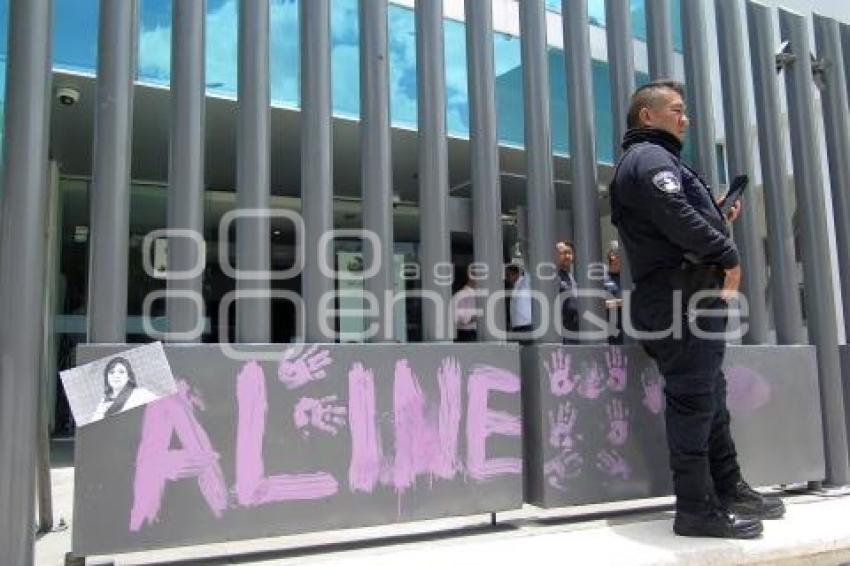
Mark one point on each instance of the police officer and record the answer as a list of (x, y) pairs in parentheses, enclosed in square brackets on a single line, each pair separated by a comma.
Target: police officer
[(678, 244)]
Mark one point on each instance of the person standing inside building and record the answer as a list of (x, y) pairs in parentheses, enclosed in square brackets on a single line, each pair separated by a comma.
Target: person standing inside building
[(614, 301), (565, 255), (678, 243), (520, 310), (465, 310)]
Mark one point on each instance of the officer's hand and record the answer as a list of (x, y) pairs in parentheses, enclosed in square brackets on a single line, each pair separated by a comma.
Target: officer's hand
[(731, 282), (733, 212)]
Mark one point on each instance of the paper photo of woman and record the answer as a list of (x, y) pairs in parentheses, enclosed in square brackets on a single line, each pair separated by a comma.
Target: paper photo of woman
[(121, 391)]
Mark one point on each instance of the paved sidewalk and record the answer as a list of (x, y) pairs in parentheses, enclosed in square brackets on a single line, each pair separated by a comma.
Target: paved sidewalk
[(816, 530)]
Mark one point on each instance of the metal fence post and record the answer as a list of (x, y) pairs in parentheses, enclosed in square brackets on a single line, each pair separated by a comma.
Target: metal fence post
[(316, 159), (186, 168), (22, 269), (538, 154), (780, 233), (820, 296), (110, 188), (376, 170), (433, 166), (735, 113), (585, 187), (484, 154)]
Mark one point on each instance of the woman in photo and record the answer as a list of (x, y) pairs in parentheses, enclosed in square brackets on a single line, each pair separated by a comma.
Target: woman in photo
[(121, 390)]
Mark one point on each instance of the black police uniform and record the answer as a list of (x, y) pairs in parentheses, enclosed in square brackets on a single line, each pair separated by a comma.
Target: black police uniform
[(676, 239)]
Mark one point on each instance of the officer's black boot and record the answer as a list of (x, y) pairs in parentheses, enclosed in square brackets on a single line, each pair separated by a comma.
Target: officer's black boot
[(715, 522), (746, 502)]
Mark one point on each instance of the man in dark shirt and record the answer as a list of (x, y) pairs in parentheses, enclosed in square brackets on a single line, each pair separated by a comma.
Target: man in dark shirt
[(565, 255), (614, 301), (678, 244)]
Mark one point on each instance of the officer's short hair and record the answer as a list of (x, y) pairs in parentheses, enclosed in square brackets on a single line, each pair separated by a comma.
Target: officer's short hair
[(647, 96)]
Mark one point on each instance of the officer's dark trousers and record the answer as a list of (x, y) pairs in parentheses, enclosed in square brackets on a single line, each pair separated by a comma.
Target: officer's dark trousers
[(702, 452)]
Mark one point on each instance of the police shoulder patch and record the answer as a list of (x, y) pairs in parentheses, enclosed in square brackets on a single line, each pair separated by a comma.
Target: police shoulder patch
[(666, 181)]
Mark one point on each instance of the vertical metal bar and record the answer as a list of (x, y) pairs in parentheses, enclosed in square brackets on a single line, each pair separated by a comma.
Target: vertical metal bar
[(780, 233), (837, 129), (845, 48), (538, 153), (316, 160), (621, 68), (484, 153), (186, 169), (110, 194), (47, 373), (811, 208), (698, 81), (659, 39), (621, 65), (253, 147), (376, 172), (736, 119), (585, 185), (22, 268), (433, 163)]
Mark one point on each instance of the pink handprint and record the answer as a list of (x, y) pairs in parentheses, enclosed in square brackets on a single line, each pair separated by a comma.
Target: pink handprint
[(563, 467), (294, 373), (653, 398), (616, 362), (618, 422), (322, 414), (561, 426), (561, 383), (591, 385), (611, 463)]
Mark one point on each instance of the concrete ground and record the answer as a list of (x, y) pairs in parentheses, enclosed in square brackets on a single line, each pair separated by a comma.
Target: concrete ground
[(816, 530)]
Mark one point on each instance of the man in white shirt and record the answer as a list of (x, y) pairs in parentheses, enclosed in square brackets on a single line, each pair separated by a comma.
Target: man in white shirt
[(466, 311), (520, 310)]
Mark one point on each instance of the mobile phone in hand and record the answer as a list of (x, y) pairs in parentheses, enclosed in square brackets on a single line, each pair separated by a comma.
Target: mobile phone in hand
[(736, 190)]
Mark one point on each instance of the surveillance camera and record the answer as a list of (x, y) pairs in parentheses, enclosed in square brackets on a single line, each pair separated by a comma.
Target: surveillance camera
[(67, 96)]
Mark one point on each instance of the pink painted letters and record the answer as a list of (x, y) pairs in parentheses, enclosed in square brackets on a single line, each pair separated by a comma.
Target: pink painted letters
[(482, 422), (252, 486), (156, 464)]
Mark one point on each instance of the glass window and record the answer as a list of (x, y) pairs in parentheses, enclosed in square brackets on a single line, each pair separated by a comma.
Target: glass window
[(558, 106), (509, 96), (154, 41), (345, 58), (4, 24), (457, 97), (284, 56), (402, 51), (75, 34)]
